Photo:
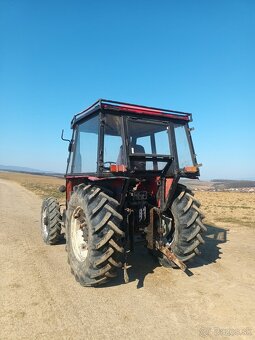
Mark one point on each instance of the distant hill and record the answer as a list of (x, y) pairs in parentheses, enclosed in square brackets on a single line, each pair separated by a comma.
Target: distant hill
[(219, 185), (19, 168), (13, 168), (228, 183)]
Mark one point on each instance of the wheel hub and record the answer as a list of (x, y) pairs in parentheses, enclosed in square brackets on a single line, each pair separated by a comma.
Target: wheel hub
[(45, 224), (79, 237)]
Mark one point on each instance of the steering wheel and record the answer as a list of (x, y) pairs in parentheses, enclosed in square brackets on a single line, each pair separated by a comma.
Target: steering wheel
[(110, 163)]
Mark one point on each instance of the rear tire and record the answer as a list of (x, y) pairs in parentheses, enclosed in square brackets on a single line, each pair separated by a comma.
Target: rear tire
[(51, 221), (93, 235), (188, 227)]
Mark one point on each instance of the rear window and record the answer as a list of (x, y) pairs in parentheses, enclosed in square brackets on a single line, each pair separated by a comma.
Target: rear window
[(183, 146)]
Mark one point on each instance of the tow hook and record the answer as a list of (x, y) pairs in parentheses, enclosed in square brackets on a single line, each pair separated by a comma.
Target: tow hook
[(170, 255)]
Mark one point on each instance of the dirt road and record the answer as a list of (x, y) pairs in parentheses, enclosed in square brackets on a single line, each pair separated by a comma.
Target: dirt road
[(41, 300)]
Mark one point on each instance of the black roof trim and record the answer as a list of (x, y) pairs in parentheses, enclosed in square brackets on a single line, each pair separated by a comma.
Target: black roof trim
[(132, 108)]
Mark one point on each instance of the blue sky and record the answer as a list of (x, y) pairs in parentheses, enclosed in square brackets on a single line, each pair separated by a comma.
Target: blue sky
[(58, 57)]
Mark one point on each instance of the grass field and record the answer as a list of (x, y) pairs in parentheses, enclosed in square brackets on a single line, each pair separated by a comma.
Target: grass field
[(228, 208), (43, 186), (220, 208)]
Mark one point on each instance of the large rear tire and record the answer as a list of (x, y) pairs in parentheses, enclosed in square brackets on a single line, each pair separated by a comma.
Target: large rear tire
[(51, 221), (186, 236), (93, 235)]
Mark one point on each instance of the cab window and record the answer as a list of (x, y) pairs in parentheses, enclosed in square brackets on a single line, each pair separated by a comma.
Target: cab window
[(86, 145)]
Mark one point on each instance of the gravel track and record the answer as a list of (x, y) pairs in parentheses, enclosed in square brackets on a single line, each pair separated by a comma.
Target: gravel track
[(41, 300)]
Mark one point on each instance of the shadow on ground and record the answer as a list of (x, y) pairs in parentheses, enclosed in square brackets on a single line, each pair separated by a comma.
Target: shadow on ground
[(142, 263), (211, 250)]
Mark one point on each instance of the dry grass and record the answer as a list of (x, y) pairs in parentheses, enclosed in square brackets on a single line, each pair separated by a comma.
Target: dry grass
[(227, 208), (43, 186)]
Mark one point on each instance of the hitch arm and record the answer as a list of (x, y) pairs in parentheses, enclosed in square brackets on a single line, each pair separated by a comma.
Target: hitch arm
[(170, 255)]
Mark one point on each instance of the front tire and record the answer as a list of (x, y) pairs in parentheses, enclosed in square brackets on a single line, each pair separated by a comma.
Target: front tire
[(51, 221), (93, 235)]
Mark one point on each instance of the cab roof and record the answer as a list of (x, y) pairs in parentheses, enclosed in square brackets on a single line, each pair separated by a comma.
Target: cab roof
[(121, 107)]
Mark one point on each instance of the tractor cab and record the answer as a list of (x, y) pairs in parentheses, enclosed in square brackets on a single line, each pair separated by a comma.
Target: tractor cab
[(113, 138)]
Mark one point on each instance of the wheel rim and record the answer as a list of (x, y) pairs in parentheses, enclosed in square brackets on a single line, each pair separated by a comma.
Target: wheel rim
[(79, 238), (45, 231)]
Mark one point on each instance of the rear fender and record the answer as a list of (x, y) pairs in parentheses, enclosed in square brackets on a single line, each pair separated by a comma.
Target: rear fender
[(167, 191), (113, 184)]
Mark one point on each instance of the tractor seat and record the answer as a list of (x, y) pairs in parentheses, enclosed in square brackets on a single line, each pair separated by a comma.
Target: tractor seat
[(141, 163), (135, 164)]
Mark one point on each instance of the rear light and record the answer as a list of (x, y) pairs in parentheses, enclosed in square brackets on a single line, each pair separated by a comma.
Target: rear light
[(118, 168), (192, 169)]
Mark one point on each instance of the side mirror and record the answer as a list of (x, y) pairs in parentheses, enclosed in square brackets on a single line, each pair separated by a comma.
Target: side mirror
[(62, 188), (67, 140), (70, 146)]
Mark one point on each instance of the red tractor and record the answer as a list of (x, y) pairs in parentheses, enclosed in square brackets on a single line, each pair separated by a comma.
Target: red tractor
[(122, 181)]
